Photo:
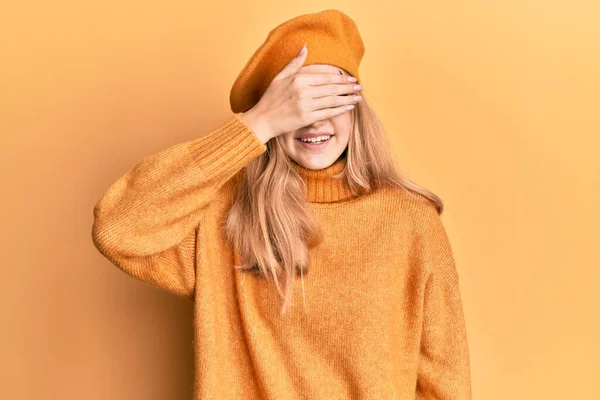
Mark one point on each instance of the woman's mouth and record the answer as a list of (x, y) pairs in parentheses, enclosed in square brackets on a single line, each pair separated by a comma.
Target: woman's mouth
[(314, 143)]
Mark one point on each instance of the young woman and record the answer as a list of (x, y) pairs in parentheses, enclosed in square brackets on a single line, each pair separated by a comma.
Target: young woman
[(297, 189)]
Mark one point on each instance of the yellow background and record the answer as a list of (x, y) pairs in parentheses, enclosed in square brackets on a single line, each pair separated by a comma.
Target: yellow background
[(494, 105)]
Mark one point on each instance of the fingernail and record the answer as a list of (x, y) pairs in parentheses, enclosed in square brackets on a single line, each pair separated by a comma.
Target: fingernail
[(302, 50), (352, 79)]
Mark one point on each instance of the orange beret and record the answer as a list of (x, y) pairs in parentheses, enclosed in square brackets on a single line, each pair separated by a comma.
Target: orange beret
[(330, 36)]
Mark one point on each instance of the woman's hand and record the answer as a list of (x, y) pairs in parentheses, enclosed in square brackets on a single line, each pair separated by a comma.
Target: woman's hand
[(294, 100)]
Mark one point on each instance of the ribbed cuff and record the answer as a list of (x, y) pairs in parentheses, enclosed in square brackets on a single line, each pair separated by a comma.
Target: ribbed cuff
[(227, 149)]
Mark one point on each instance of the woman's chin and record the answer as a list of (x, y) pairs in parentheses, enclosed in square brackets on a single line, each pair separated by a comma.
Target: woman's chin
[(317, 161)]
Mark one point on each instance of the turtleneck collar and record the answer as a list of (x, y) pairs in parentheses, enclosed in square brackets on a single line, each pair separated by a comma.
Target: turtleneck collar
[(321, 186)]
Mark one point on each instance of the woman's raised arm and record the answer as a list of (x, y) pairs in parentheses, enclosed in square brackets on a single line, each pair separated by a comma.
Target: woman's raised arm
[(147, 220)]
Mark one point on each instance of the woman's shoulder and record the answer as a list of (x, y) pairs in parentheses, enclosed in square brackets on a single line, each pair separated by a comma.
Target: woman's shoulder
[(406, 197), (406, 204)]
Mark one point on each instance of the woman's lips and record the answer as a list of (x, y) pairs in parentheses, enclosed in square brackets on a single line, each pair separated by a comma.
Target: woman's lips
[(313, 146)]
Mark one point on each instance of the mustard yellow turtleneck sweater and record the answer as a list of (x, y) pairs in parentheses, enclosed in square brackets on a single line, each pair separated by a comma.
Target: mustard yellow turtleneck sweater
[(381, 317)]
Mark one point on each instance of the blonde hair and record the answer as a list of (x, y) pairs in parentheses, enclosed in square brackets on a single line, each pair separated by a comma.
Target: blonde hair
[(269, 223)]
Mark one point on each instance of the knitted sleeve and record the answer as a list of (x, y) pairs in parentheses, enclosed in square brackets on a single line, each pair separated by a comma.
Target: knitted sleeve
[(146, 222), (444, 370)]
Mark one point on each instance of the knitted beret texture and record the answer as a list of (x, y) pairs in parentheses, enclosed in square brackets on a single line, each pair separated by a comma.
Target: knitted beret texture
[(331, 37)]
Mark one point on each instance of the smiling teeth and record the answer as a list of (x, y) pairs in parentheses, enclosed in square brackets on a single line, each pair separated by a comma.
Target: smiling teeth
[(316, 139)]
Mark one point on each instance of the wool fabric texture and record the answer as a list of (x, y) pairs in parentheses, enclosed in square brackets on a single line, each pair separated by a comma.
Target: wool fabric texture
[(332, 37), (382, 317)]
